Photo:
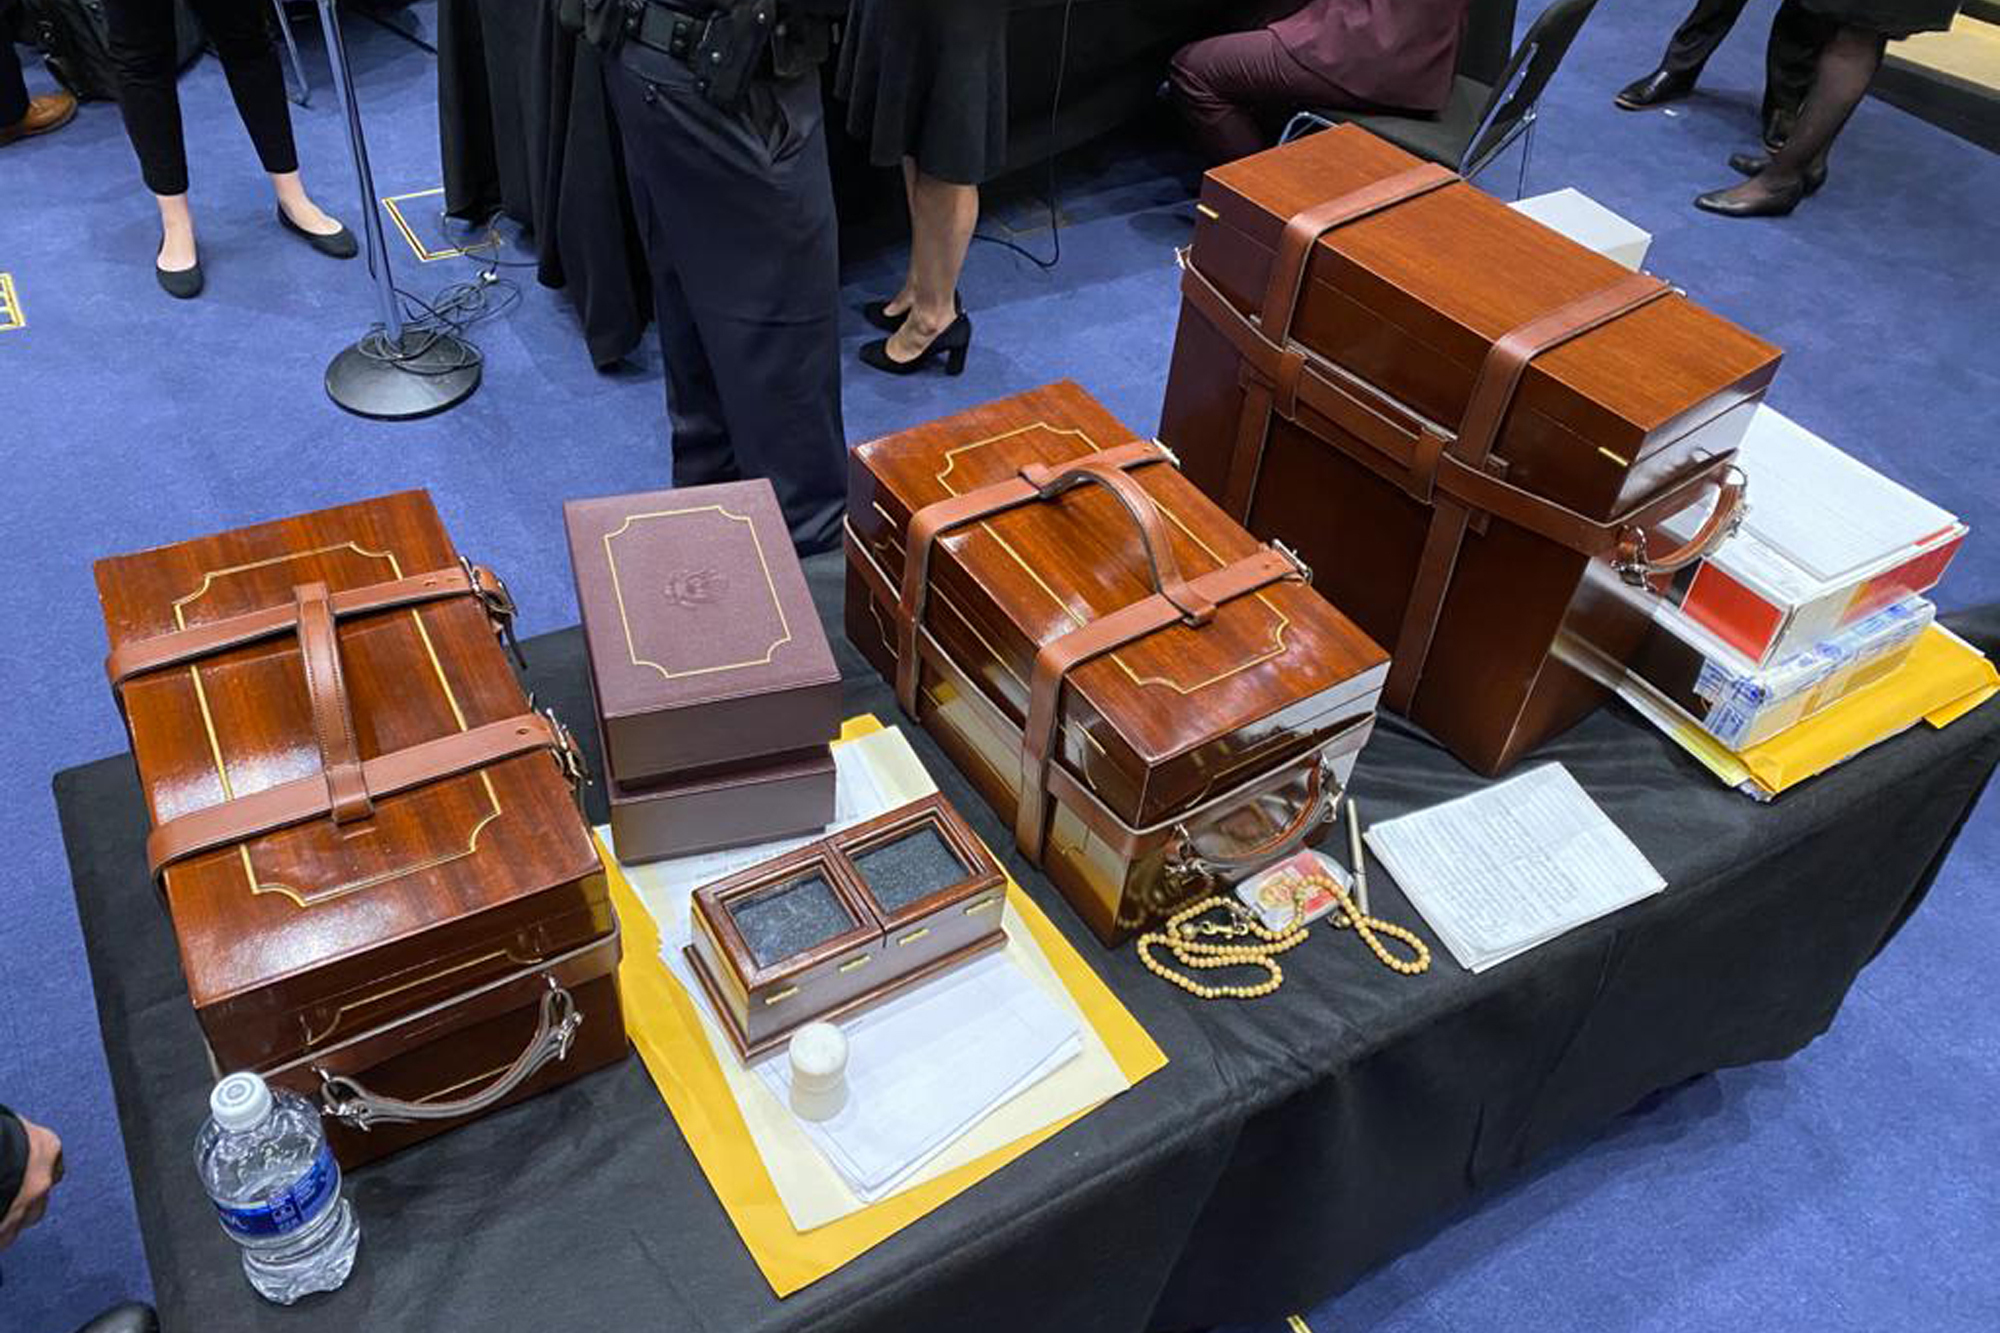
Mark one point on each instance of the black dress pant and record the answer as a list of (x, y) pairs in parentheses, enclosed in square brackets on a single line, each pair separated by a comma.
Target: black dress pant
[(736, 211), (13, 88), (1797, 34), (142, 49)]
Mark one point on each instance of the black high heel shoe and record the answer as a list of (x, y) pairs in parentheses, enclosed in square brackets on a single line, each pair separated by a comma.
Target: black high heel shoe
[(1775, 205), (1751, 164), (951, 345), (877, 313)]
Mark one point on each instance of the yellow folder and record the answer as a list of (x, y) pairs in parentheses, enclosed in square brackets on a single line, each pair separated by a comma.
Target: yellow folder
[(666, 1031), (1944, 678)]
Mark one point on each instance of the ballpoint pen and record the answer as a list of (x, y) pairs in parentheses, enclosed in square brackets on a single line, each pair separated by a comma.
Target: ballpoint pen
[(1357, 856)]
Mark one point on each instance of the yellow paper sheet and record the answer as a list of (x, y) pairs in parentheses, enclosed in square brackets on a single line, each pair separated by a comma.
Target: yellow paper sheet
[(665, 1029), (1944, 678)]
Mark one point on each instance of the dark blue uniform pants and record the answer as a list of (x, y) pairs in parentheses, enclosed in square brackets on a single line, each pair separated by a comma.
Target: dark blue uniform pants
[(737, 213)]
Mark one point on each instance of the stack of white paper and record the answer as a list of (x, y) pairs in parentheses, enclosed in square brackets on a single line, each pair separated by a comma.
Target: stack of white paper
[(928, 1066), (1504, 869)]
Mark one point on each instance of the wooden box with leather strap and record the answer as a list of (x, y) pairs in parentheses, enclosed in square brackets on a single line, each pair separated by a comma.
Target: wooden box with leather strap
[(1468, 425), (384, 894), (1155, 700)]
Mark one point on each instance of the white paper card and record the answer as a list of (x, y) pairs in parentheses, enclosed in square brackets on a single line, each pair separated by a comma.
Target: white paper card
[(1504, 869)]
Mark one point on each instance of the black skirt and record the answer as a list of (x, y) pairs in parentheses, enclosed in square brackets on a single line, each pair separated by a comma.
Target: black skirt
[(928, 79), (1891, 18)]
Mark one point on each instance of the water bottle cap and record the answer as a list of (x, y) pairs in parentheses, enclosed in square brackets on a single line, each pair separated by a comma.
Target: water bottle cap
[(240, 1101)]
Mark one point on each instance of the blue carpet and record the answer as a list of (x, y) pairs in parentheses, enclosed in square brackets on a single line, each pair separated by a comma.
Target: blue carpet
[(1848, 1188)]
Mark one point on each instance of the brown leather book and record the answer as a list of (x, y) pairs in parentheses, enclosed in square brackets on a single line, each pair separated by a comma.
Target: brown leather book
[(368, 842), (1467, 424)]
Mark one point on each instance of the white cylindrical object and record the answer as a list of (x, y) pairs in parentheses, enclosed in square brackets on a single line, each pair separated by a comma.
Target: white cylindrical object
[(819, 1071)]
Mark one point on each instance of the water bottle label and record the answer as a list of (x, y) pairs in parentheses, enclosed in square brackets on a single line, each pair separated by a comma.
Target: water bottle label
[(308, 1196)]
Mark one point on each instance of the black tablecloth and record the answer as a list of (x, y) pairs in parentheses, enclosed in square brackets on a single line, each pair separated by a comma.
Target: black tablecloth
[(1290, 1143), (524, 128)]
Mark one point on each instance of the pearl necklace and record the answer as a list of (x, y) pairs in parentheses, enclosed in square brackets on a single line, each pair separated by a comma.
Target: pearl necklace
[(1191, 943)]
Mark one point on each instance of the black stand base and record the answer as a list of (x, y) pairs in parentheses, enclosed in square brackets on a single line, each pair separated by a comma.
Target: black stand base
[(442, 372)]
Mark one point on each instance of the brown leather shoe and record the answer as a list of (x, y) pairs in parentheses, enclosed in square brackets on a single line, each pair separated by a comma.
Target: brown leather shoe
[(44, 114)]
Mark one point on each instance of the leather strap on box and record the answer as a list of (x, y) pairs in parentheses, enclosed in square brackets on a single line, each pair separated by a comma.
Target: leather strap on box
[(332, 715), (1413, 455), (1060, 656), (1279, 389), (1119, 838), (934, 520), (1492, 394), (306, 799), (180, 647)]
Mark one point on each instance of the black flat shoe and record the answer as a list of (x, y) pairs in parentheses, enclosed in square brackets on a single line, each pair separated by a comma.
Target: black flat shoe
[(1656, 89), (1751, 164), (182, 284), (336, 245), (877, 313), (1770, 206), (951, 345)]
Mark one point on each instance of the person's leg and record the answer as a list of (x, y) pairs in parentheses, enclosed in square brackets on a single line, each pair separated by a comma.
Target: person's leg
[(1700, 33), (898, 304), (1227, 87), (1797, 35), (141, 47), (242, 39), (13, 87), (743, 206), (1687, 51), (698, 437), (1846, 67), (944, 217)]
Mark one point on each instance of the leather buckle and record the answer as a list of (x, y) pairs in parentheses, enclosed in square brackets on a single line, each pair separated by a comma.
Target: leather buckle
[(1294, 559)]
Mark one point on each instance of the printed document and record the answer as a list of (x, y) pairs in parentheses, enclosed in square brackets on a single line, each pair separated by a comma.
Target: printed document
[(1517, 864)]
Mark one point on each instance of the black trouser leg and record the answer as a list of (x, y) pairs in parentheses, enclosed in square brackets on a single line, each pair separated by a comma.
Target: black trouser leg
[(142, 50), (13, 88), (1797, 34), (1700, 33), (738, 208), (239, 29)]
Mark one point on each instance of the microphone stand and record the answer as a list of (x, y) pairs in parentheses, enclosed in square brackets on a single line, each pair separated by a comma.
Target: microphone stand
[(394, 372)]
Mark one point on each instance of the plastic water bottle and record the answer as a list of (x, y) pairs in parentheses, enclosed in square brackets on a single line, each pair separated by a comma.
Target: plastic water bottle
[(265, 1163)]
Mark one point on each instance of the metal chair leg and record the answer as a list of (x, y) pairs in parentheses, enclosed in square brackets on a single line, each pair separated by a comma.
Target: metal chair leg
[(1527, 152), (303, 96)]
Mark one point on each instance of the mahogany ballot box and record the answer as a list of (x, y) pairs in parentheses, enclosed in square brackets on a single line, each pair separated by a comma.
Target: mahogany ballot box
[(1468, 425), (717, 694), (844, 923), (1156, 701), (384, 895)]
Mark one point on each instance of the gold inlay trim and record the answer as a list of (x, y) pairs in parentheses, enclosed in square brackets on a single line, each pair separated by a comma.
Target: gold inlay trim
[(1296, 1324), (425, 255), (12, 317), (991, 900), (1278, 632), (298, 897), (770, 584), (914, 936), (1621, 462), (853, 963), (785, 994), (1208, 212), (341, 1011)]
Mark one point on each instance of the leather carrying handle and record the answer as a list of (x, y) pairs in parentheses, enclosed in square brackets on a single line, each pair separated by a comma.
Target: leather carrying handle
[(1162, 566), (347, 797), (1636, 566), (346, 1100), (1186, 864)]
